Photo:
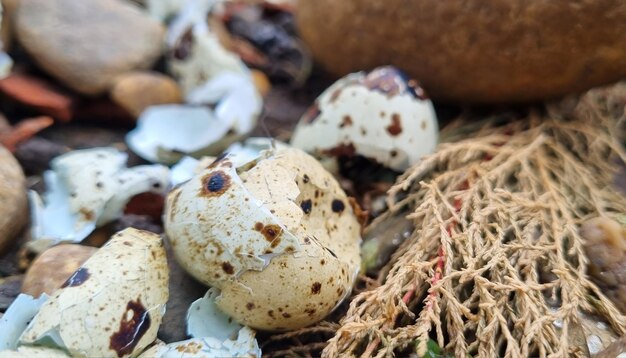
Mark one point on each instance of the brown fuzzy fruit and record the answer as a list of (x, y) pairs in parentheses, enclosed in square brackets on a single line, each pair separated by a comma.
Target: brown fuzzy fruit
[(473, 51)]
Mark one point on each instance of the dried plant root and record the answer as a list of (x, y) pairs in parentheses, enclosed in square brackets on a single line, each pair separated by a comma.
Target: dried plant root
[(496, 257)]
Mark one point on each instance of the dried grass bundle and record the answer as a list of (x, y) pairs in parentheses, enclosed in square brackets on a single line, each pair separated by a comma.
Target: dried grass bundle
[(496, 257)]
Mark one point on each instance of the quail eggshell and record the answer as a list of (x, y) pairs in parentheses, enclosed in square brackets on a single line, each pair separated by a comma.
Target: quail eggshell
[(209, 347), (196, 52), (113, 305), (211, 219), (16, 319), (381, 115), (34, 352), (204, 319), (308, 238), (89, 188)]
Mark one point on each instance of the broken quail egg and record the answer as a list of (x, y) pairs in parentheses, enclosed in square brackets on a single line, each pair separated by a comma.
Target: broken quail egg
[(381, 115), (277, 236), (87, 189), (110, 307)]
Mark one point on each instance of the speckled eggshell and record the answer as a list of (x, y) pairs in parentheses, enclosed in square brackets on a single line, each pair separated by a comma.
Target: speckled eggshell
[(218, 229), (381, 115), (295, 288), (113, 305), (34, 352)]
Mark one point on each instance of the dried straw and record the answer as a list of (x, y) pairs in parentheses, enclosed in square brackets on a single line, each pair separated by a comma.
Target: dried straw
[(496, 257)]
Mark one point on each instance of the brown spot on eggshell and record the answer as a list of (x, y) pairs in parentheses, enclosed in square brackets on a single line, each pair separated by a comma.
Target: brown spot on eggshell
[(338, 206), (385, 80), (316, 288), (312, 113), (306, 206), (78, 278), (306, 179), (286, 315), (250, 306), (346, 121), (131, 329), (189, 347), (335, 95), (310, 311), (87, 214), (416, 90), (215, 184), (395, 128), (271, 232), (271, 313), (228, 268)]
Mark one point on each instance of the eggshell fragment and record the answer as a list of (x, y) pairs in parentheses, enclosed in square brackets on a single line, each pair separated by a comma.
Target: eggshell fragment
[(34, 352), (16, 319), (277, 236), (89, 188), (196, 54), (204, 319), (381, 115), (244, 346), (113, 305)]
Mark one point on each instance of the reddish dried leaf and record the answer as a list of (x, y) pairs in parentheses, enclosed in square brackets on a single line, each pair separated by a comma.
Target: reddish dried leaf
[(24, 130), (37, 93)]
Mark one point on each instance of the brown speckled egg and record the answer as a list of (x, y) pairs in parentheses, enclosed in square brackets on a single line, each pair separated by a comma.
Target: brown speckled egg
[(277, 236), (113, 305)]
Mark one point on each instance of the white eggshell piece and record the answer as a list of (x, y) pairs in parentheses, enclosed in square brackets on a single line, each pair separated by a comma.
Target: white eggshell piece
[(237, 100), (183, 170), (216, 249), (113, 305), (204, 56), (16, 319), (204, 319), (89, 188), (379, 115), (208, 347), (34, 352), (175, 128)]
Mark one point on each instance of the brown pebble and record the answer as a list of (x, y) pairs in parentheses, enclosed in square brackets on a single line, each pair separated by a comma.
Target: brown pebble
[(53, 267)]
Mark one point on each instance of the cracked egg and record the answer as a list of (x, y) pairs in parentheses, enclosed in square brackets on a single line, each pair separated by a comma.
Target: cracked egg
[(110, 307), (381, 115), (277, 236)]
